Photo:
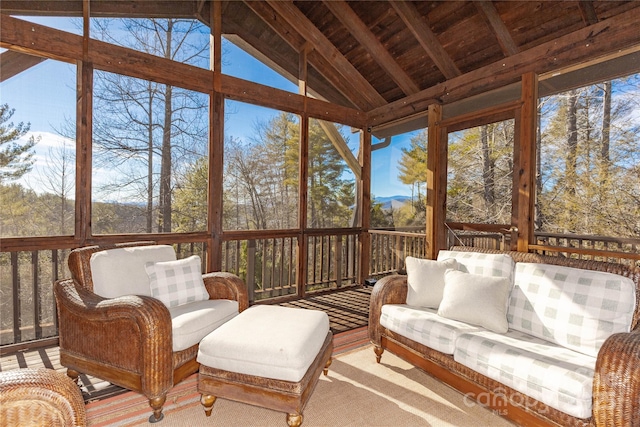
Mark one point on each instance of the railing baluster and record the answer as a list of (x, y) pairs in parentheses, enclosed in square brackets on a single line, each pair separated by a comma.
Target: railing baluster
[(55, 274), (17, 301), (37, 328)]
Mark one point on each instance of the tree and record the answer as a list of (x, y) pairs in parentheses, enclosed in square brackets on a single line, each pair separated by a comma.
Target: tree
[(190, 198), (480, 170), (16, 159), (57, 180), (413, 164)]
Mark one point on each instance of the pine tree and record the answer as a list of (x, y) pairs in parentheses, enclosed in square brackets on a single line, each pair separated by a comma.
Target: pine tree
[(16, 159)]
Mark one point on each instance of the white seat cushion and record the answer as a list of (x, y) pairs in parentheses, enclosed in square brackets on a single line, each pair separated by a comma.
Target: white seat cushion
[(193, 321), (118, 272), (549, 373), (423, 325), (267, 341)]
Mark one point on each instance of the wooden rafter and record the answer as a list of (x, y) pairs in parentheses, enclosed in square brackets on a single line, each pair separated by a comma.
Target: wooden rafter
[(13, 63), (368, 40), (490, 14), (427, 39), (294, 17), (588, 12)]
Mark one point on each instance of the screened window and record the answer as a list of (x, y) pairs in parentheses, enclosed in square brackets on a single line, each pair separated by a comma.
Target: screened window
[(261, 168), (150, 148), (480, 174), (37, 148), (333, 169), (589, 166)]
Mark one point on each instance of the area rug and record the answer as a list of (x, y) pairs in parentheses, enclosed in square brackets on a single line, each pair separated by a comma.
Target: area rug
[(357, 392)]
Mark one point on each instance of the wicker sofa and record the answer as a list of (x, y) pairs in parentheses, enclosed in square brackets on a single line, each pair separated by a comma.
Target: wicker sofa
[(488, 367)]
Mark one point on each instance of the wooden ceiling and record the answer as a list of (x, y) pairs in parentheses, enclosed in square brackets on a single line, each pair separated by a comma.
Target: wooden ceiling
[(389, 58)]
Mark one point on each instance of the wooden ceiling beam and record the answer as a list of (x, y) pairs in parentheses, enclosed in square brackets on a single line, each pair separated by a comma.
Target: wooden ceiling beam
[(613, 34), (427, 39), (490, 14), (13, 63), (294, 17), (368, 40), (103, 9), (588, 12)]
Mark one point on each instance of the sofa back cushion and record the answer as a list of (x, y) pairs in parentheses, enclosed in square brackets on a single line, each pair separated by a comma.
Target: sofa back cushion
[(576, 308), (121, 271), (491, 265)]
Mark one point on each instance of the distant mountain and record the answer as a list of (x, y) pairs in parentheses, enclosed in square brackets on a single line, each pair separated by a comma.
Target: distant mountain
[(394, 202)]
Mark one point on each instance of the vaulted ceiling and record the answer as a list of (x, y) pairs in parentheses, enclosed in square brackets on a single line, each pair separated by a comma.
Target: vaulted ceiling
[(391, 57)]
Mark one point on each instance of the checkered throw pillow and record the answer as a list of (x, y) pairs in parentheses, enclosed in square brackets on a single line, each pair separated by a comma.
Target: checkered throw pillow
[(492, 265), (578, 309), (177, 282)]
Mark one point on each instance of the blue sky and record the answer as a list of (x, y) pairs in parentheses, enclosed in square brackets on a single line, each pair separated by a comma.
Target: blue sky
[(45, 97)]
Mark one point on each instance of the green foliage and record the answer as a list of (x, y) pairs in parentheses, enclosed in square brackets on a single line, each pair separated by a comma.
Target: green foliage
[(15, 159), (190, 198)]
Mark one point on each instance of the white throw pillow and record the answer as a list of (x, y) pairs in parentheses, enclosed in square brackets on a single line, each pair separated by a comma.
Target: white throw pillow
[(475, 299), (425, 278), (177, 282)]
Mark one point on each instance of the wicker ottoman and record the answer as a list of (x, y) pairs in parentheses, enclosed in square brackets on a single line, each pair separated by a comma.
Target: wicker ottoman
[(268, 356)]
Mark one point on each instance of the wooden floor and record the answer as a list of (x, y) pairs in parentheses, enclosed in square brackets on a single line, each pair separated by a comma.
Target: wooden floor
[(348, 312)]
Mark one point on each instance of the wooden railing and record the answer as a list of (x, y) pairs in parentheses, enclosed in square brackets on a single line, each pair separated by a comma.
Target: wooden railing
[(267, 261), (269, 264), (622, 250), (389, 248)]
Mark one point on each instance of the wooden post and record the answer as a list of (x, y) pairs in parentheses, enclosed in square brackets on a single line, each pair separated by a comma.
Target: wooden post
[(303, 173), (526, 167), (365, 205), (216, 145), (436, 183), (84, 124)]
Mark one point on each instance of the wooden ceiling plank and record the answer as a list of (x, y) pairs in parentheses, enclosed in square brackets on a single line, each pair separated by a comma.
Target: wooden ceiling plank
[(13, 63), (490, 14), (368, 40), (588, 12), (291, 14), (613, 34), (427, 39)]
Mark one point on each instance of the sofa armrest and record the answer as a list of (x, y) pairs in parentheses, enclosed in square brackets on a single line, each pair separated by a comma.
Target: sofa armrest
[(131, 332), (222, 285), (616, 384), (388, 290)]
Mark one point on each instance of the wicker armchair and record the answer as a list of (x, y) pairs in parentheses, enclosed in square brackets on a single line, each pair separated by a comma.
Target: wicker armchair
[(130, 340), (40, 397)]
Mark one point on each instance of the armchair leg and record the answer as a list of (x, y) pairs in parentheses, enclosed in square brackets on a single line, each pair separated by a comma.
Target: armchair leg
[(73, 374), (378, 351), (157, 404)]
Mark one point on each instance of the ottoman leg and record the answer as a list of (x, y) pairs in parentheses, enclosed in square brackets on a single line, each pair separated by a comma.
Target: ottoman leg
[(325, 371), (207, 401), (294, 420)]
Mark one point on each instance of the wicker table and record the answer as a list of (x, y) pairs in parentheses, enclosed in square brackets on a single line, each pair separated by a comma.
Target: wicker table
[(268, 356)]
